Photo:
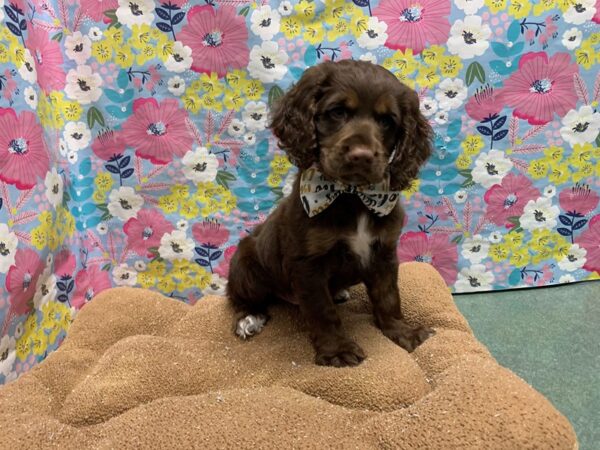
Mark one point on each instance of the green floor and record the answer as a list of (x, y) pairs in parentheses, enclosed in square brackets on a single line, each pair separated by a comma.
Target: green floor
[(551, 338)]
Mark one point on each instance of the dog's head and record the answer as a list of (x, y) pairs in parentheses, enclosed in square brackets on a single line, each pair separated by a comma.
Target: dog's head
[(357, 121)]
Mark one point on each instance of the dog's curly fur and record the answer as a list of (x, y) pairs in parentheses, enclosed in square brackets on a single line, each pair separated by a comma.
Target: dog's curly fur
[(347, 118)]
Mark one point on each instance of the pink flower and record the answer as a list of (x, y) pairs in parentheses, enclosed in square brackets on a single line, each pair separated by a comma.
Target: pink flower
[(157, 130), (218, 39), (414, 24), (23, 154), (22, 278), (48, 59), (108, 144), (596, 17), (210, 233), (509, 198), (145, 231), (88, 283), (580, 199), (590, 240), (541, 87), (484, 104), (435, 249), (529, 35), (223, 268), (94, 9), (64, 263)]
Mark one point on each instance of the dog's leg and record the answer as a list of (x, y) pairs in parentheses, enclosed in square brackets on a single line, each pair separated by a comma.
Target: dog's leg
[(382, 286)]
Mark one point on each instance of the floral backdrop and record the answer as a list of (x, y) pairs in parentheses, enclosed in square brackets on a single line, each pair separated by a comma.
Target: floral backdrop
[(133, 148)]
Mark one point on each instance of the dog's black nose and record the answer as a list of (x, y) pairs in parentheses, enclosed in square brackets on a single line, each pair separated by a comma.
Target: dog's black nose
[(360, 155)]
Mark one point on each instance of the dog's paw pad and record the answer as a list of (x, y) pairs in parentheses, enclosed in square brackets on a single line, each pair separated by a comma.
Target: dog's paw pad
[(250, 325), (342, 296)]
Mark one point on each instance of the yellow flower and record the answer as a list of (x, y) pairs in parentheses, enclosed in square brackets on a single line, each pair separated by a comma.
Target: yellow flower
[(412, 189), (432, 55), (540, 238), (103, 181), (189, 209), (210, 84), (514, 240), (582, 153), (334, 9), (538, 169), (114, 36), (281, 164), (39, 238), (472, 144), (563, 5), (147, 53), (519, 8), (236, 79), (4, 55), (49, 318), (17, 54), (181, 268), (274, 180), (543, 6), (338, 29), (586, 170), (408, 80), (39, 343), (191, 101), (202, 277), (403, 61), (72, 110), (427, 77), (23, 347), (101, 51), (146, 280), (359, 23), (186, 282), (140, 36), (463, 161), (291, 27), (228, 203), (499, 252), (553, 153), (99, 197), (495, 5), (585, 55), (181, 191), (450, 66), (305, 10), (233, 100), (166, 285), (254, 89), (520, 257), (314, 32), (559, 173), (211, 207), (123, 56), (561, 250), (210, 102), (157, 268), (53, 240), (168, 203)]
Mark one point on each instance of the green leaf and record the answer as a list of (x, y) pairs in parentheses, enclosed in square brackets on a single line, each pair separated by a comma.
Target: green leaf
[(223, 178), (278, 192), (468, 183), (274, 93), (57, 37), (106, 216), (516, 230), (598, 140), (244, 11), (111, 14), (465, 173), (514, 30), (457, 239), (475, 70), (514, 220), (95, 116), (106, 267)]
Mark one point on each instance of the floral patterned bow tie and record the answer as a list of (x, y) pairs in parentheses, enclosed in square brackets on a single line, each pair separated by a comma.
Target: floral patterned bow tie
[(318, 193)]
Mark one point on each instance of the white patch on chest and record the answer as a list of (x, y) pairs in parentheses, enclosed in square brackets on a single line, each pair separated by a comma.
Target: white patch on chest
[(360, 242)]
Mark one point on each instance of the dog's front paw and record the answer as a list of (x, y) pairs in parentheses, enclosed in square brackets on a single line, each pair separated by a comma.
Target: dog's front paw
[(407, 336), (250, 325), (340, 354)]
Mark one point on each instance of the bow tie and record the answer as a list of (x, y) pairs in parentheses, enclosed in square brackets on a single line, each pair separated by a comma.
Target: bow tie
[(318, 193)]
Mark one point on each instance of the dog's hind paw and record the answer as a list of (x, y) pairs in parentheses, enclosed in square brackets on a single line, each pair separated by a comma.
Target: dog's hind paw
[(250, 325)]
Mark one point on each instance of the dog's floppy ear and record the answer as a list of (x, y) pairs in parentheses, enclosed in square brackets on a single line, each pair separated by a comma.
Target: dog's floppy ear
[(414, 141), (292, 117)]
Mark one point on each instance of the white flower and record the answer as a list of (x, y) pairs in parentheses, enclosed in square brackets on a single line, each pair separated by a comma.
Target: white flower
[(369, 57), (469, 38), (124, 203), (102, 228), (31, 97), (249, 138), (54, 187), (490, 168), (539, 214), (441, 117), (77, 135), (469, 6), (180, 58), (123, 275), (95, 34), (182, 224), (45, 289), (580, 126), (574, 259), (139, 265), (572, 38), (549, 191), (451, 93), (495, 237), (474, 278), (217, 285), (135, 12), (255, 116), (83, 85), (27, 70), (428, 106), (567, 278), (236, 128), (581, 11), (63, 148), (176, 245), (200, 165), (176, 85), (374, 36), (268, 62), (265, 22), (460, 196), (72, 156), (78, 47), (8, 247), (19, 330), (7, 354), (1, 10), (285, 8), (475, 248)]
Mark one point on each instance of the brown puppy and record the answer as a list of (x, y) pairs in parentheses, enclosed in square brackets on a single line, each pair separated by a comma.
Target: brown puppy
[(348, 124)]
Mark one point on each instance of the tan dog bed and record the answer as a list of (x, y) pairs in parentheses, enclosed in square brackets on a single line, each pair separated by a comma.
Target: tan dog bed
[(139, 370)]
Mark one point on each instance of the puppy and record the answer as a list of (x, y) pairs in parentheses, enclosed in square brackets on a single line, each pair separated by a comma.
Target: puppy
[(358, 138)]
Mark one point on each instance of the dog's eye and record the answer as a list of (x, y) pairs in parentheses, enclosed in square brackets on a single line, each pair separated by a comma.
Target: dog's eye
[(338, 113), (386, 121)]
